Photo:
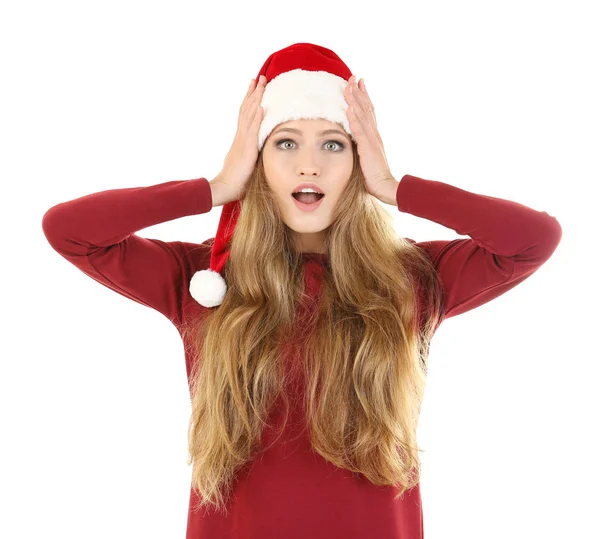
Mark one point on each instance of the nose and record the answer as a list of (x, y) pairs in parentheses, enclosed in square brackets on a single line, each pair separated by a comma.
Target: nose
[(308, 168), (307, 163)]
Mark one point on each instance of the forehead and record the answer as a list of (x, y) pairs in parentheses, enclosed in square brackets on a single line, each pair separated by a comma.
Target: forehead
[(312, 126)]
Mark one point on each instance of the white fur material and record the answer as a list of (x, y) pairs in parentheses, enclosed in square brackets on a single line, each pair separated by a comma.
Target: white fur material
[(208, 288), (300, 94)]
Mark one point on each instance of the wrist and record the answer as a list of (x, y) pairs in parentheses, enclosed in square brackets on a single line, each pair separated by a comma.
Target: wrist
[(217, 193), (388, 191)]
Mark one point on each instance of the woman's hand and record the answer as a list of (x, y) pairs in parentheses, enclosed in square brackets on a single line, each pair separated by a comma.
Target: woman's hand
[(241, 158), (363, 124)]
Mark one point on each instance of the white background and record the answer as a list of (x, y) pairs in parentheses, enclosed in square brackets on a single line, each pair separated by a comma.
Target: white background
[(495, 98)]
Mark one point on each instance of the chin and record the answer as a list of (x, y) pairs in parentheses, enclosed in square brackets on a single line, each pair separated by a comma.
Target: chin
[(307, 227)]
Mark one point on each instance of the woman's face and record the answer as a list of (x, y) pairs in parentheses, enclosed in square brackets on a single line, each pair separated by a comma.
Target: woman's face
[(292, 158)]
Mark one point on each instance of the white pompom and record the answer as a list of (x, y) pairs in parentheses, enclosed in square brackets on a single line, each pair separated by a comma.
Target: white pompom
[(208, 288)]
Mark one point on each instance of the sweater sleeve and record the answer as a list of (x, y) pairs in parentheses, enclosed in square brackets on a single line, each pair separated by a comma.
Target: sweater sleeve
[(507, 241), (96, 233)]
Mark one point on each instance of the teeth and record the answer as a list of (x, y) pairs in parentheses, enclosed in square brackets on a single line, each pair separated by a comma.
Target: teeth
[(308, 190)]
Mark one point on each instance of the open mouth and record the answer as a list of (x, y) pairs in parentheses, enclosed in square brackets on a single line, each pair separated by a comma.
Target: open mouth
[(308, 198)]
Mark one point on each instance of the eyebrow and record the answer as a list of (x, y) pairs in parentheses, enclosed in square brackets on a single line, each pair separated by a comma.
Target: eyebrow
[(320, 133)]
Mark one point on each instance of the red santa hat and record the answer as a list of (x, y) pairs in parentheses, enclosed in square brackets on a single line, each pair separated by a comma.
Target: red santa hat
[(302, 81)]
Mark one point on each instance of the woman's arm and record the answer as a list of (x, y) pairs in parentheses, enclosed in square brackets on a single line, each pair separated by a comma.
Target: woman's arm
[(507, 241), (96, 233)]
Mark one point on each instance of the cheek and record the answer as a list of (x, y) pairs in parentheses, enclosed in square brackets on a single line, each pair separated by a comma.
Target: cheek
[(274, 175), (273, 170), (278, 190)]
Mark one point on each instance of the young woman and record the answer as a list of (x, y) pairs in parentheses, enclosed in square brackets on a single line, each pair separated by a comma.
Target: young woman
[(306, 321)]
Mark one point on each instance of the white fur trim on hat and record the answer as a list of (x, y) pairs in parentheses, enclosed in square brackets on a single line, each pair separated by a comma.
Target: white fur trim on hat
[(208, 288), (300, 94)]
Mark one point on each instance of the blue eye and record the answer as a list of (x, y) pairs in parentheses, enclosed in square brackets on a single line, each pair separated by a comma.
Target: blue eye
[(340, 144)]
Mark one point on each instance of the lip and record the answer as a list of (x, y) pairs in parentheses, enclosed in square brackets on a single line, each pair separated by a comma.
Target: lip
[(310, 185), (308, 207)]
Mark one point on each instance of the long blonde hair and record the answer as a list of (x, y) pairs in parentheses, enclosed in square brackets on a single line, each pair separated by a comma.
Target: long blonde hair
[(364, 358)]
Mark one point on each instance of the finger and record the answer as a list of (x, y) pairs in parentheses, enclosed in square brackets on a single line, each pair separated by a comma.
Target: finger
[(363, 98), (254, 115), (364, 94), (251, 87), (359, 128), (353, 98), (257, 120), (257, 94), (365, 121), (356, 95), (248, 92), (252, 133), (261, 84), (254, 97), (364, 114)]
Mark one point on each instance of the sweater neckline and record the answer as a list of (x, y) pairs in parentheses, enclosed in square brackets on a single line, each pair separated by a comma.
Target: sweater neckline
[(321, 259), (320, 256)]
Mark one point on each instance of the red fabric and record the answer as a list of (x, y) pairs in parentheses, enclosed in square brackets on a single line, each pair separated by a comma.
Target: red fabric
[(291, 491), (306, 56)]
